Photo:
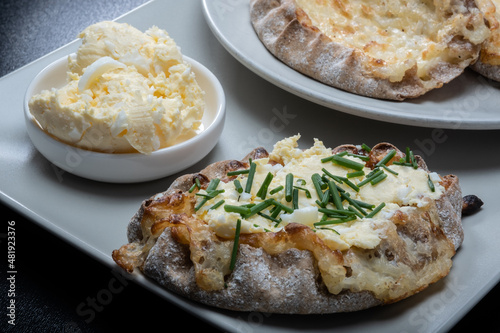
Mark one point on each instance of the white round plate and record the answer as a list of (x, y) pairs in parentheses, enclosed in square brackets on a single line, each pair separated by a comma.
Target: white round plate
[(468, 102), (134, 167)]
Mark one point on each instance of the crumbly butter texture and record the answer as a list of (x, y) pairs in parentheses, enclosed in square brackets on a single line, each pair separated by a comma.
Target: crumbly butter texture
[(127, 91), (394, 32), (406, 191)]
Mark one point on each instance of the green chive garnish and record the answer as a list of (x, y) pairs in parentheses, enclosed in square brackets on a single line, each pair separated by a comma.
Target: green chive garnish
[(347, 163), (235, 244), (212, 186), (374, 174), (431, 184), (211, 194), (328, 211), (337, 201), (387, 158), (237, 184), (326, 198), (335, 221), (308, 194), (376, 210), (238, 172), (283, 207), (355, 174), (289, 187), (276, 190), (317, 182), (269, 217), (259, 207), (251, 174), (366, 148), (378, 179), (295, 199), (353, 203), (237, 209), (218, 204), (332, 176), (265, 185)]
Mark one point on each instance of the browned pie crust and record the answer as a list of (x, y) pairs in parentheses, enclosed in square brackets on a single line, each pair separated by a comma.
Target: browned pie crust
[(280, 272), (287, 32)]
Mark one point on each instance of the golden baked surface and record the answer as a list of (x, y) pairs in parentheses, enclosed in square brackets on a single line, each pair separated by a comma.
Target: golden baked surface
[(382, 49), (334, 264)]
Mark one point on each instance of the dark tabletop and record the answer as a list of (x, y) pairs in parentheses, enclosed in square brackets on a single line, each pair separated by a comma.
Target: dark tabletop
[(57, 286)]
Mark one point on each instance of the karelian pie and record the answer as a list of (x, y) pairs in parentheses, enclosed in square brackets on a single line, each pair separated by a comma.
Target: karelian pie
[(488, 63), (299, 231), (393, 49)]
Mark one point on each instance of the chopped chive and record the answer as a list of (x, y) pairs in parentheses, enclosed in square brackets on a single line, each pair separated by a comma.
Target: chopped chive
[(275, 212), (276, 190), (196, 184), (366, 148), (385, 167), (326, 198), (237, 184), (308, 193), (283, 207), (268, 217), (355, 174), (251, 174), (301, 182), (259, 207), (338, 179), (374, 174), (289, 187), (295, 199), (334, 192), (362, 157), (355, 211), (387, 158), (351, 185), (238, 172), (410, 158), (335, 231), (218, 204), (235, 244), (378, 179), (327, 159), (363, 204), (335, 221), (376, 210), (237, 209), (329, 211), (211, 194), (316, 179), (212, 186), (431, 184), (353, 203), (265, 185), (347, 163)]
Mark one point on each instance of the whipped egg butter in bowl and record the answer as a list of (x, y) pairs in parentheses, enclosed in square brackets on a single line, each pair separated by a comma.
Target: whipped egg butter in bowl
[(127, 107)]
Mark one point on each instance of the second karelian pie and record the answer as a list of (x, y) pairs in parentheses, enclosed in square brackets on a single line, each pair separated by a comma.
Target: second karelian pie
[(394, 49)]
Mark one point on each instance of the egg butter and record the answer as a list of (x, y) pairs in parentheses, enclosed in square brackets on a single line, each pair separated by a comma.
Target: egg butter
[(126, 92), (402, 188)]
